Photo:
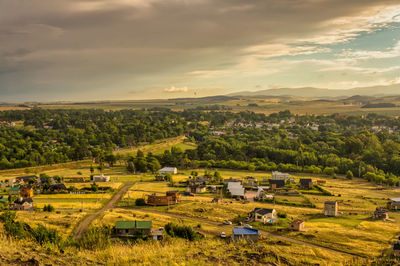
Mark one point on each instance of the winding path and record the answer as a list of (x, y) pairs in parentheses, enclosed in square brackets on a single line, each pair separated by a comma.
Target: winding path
[(84, 224)]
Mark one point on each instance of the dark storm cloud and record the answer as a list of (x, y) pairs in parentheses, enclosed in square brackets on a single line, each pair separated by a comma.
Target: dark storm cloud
[(94, 47)]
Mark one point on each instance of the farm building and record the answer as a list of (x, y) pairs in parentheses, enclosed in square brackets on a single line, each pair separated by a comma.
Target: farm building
[(14, 191), (394, 204), (297, 225), (306, 183), (321, 181), (280, 176), (198, 180), (235, 189), (274, 184), (171, 170), (330, 208), (264, 215), (171, 197), (101, 178), (26, 191), (249, 234), (381, 213), (21, 204), (133, 228), (196, 189)]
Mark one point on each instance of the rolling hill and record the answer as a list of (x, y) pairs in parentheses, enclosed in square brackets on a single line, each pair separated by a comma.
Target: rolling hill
[(322, 92)]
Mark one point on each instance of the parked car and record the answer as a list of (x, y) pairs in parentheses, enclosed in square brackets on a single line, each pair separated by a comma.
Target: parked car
[(223, 235), (248, 226), (226, 222)]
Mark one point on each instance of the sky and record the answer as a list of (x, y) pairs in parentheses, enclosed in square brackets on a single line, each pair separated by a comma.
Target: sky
[(75, 50)]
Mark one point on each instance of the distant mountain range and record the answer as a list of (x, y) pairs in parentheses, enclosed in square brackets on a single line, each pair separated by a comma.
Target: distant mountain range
[(321, 93)]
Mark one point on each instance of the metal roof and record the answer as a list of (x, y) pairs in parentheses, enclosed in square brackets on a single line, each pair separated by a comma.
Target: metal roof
[(244, 231), (125, 225), (395, 199), (133, 224)]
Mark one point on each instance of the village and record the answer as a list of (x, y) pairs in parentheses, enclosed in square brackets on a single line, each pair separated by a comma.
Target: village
[(231, 206)]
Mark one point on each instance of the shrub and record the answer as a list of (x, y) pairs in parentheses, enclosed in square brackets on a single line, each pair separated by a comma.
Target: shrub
[(140, 202), (349, 174), (96, 238), (48, 208), (45, 235), (282, 215), (183, 231)]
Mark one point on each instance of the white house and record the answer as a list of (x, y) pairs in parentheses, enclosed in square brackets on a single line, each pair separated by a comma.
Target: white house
[(235, 189), (280, 176), (101, 178), (171, 170), (264, 215)]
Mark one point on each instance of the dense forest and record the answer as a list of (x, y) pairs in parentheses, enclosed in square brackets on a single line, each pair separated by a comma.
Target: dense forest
[(365, 146)]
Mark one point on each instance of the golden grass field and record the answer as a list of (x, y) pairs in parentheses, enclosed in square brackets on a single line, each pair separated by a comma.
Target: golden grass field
[(351, 233)]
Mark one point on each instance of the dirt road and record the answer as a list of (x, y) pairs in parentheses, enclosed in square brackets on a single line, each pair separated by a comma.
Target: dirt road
[(264, 233), (84, 224)]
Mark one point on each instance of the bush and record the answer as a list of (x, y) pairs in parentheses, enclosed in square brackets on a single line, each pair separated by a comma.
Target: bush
[(45, 235), (140, 202), (329, 171), (349, 174), (282, 215), (96, 238), (48, 208), (183, 231)]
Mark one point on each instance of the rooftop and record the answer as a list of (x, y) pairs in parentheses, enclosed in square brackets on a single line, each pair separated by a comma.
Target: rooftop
[(244, 231), (133, 225)]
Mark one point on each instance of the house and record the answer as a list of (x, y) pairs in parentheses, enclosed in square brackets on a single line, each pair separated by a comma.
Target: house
[(27, 178), (58, 188), (226, 181), (394, 204), (381, 214), (297, 225), (261, 193), (171, 170), (26, 191), (14, 191), (198, 180), (196, 189), (101, 178), (306, 183), (157, 234), (170, 198), (159, 177), (248, 234), (21, 204), (236, 189), (264, 215), (2, 185), (280, 176), (133, 228), (330, 208), (274, 184), (47, 180)]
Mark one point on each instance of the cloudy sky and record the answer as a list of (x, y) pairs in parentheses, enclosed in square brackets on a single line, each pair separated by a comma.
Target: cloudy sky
[(136, 49)]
